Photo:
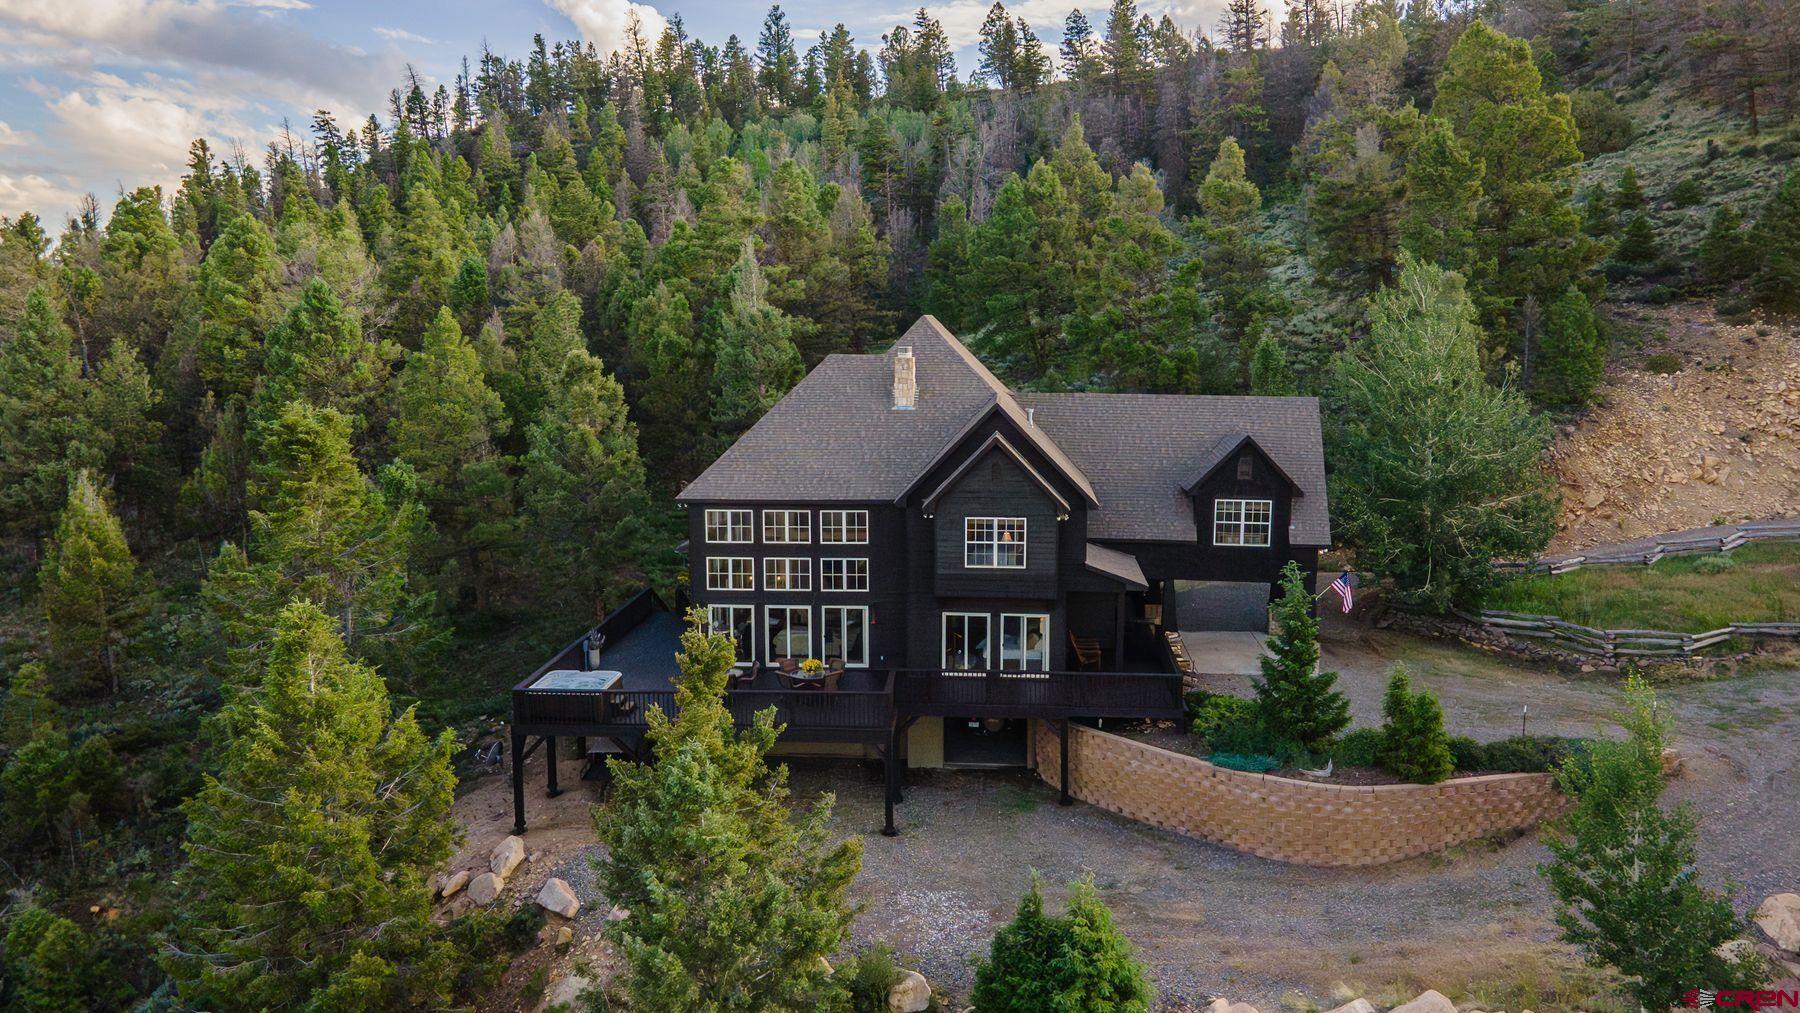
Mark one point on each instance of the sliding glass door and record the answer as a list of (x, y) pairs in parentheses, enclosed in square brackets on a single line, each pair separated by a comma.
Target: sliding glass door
[(966, 641)]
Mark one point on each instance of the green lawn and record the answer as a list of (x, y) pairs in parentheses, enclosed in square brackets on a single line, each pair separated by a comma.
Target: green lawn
[(1690, 594)]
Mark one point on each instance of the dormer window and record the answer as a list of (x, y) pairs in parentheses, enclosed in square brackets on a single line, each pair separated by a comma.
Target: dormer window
[(1244, 467), (1242, 522), (994, 543)]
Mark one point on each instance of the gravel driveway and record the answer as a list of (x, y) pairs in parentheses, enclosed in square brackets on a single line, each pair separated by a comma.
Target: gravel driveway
[(1211, 921)]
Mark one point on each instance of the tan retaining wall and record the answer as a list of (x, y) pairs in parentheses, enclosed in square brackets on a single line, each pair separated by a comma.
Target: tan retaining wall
[(1285, 819)]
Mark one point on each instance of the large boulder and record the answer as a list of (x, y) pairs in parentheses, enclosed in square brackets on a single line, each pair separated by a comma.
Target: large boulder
[(567, 992), (1779, 917), (485, 887), (506, 857), (911, 994), (1357, 1006), (1429, 1001), (557, 897), (454, 882)]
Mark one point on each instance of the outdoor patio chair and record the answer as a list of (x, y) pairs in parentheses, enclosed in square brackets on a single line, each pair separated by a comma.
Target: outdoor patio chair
[(1086, 651), (834, 671)]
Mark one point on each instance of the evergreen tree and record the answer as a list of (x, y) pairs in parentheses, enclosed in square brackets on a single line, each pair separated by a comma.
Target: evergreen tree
[(948, 265), (212, 497), (1443, 195), (143, 276), (309, 850), (1624, 870), (1638, 244), (1414, 746), (778, 65), (1122, 49), (999, 48), (1235, 263), (673, 395), (417, 272), (1076, 961), (1437, 471), (1572, 354), (123, 405), (1080, 52), (1269, 372), (1295, 701), (236, 300), (92, 592), (755, 362), (45, 435), (1777, 237), (318, 354), (1630, 193), (56, 967), (446, 421), (322, 532), (1727, 253), (770, 898)]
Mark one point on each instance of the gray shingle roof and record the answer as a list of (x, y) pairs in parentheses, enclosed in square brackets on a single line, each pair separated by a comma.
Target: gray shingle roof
[(837, 438), (1113, 563)]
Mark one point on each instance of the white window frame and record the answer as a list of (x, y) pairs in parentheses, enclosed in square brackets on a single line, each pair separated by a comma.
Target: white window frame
[(713, 615), (1242, 524), (944, 639), (730, 573), (844, 574), (843, 612), (845, 522), (768, 632), (786, 523), (729, 522), (994, 530), (787, 573), (1043, 617)]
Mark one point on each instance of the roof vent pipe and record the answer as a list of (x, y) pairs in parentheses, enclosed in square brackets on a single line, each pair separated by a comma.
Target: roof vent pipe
[(1031, 417), (906, 378)]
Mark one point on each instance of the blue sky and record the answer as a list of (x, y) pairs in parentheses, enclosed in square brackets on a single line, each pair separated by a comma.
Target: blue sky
[(96, 95)]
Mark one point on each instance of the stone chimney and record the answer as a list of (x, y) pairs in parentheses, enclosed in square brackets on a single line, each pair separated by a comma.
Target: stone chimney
[(906, 378)]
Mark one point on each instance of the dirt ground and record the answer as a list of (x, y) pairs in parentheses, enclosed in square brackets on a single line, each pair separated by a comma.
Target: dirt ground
[(1474, 923), (1717, 441)]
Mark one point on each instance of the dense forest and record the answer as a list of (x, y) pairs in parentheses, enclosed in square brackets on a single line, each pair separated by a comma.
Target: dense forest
[(399, 402)]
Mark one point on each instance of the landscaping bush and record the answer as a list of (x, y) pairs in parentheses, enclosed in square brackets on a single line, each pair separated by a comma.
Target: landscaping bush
[(1414, 746), (1468, 754), (1529, 754), (1359, 748), (1295, 699), (1077, 961), (1223, 718), (868, 977), (1662, 362)]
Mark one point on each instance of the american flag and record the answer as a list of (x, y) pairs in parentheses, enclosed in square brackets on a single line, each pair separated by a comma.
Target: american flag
[(1342, 586)]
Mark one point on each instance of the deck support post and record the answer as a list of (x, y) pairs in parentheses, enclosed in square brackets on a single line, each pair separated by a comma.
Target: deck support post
[(893, 779), (518, 780), (1062, 797), (551, 791)]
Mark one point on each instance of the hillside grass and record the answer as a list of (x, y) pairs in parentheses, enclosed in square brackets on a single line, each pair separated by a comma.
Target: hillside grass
[(1688, 594)]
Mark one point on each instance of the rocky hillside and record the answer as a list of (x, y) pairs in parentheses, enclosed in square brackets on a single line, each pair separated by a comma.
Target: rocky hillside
[(1699, 424)]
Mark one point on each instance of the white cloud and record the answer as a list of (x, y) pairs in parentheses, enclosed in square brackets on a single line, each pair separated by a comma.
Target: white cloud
[(605, 22), (10, 138), (49, 199), (402, 35)]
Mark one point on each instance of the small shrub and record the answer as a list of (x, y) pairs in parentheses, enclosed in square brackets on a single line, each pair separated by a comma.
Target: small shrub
[(1358, 748), (1468, 754), (1254, 763), (868, 977), (1687, 193), (1414, 746), (1078, 960), (1714, 564), (1221, 717), (1662, 362), (1529, 754)]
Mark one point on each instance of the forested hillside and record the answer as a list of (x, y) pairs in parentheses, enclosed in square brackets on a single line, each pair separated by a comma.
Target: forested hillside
[(395, 404)]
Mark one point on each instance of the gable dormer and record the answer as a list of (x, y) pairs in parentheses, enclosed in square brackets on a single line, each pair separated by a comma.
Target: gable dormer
[(1242, 497)]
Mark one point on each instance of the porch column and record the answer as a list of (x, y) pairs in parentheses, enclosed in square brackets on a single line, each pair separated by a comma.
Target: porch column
[(518, 780), (550, 766), (893, 778), (1119, 632), (1062, 797)]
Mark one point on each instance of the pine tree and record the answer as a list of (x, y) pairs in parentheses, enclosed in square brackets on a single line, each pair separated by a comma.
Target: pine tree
[(1572, 354), (446, 421), (1437, 471), (212, 497), (1295, 701), (92, 592), (309, 850), (947, 264), (45, 431), (999, 48), (322, 532), (235, 302), (1443, 197), (1080, 53), (318, 354), (1234, 262), (1777, 237), (1630, 193), (773, 899), (755, 361), (1121, 49), (123, 405), (1624, 870), (1076, 961), (1414, 746), (416, 274), (1727, 253), (143, 276), (1269, 372), (674, 393), (778, 65)]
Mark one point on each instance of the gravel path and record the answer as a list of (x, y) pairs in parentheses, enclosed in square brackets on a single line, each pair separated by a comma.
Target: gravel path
[(1211, 921)]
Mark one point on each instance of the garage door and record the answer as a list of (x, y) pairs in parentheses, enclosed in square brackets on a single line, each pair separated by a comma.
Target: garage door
[(1223, 605)]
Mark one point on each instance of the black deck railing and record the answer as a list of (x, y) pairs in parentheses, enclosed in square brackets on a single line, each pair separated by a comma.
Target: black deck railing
[(991, 693)]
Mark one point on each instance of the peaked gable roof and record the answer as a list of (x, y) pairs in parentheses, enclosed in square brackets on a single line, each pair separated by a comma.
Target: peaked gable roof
[(1226, 449)]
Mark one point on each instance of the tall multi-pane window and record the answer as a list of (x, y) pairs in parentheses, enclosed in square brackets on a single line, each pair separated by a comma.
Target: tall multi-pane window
[(845, 634), (785, 574), (966, 641), (730, 573), (994, 542), (843, 527), (737, 622), (1024, 642), (1242, 521), (843, 575), (787, 527), (790, 631), (725, 527)]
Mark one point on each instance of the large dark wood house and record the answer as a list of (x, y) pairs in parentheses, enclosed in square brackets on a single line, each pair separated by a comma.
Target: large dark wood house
[(966, 561)]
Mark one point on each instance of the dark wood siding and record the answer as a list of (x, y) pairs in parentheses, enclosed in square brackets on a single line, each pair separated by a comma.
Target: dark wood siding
[(996, 487)]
